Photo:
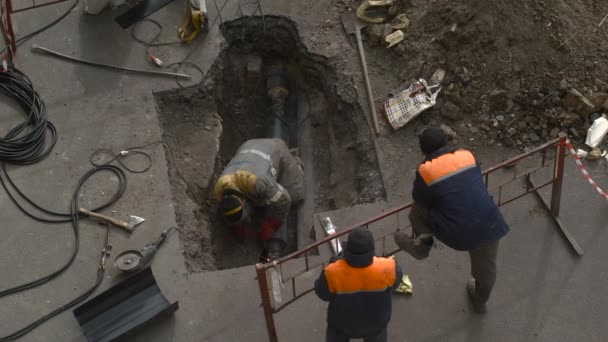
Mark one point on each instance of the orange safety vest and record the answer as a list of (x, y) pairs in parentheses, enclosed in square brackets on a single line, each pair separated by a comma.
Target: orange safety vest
[(343, 278)]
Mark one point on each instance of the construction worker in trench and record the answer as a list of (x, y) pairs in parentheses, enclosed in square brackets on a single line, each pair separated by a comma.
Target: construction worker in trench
[(257, 189), (452, 203)]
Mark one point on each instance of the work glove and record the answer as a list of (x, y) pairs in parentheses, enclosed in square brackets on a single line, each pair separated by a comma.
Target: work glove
[(267, 228)]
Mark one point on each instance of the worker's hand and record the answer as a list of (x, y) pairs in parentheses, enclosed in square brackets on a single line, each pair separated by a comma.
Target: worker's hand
[(268, 227), (242, 232)]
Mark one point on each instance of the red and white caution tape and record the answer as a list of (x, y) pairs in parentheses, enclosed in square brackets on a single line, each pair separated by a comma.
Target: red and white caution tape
[(584, 171)]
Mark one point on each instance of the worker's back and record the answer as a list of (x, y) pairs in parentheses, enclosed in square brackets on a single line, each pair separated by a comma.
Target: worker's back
[(261, 157), (463, 215)]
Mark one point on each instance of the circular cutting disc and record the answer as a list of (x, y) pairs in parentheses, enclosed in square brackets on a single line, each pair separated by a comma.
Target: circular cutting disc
[(128, 261)]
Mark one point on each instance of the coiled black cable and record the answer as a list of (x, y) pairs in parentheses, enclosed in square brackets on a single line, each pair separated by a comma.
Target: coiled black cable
[(27, 142), (72, 217)]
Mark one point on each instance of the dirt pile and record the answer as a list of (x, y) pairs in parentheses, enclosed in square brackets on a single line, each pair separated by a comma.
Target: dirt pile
[(517, 72)]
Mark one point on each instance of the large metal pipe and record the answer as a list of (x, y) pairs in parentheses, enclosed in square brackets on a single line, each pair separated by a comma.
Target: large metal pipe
[(276, 83)]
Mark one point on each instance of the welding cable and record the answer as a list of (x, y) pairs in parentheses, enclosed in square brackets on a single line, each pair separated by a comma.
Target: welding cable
[(28, 142), (118, 157), (75, 220), (153, 43)]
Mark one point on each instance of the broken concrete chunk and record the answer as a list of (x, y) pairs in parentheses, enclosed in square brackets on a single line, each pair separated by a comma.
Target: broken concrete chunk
[(598, 100), (498, 100), (451, 111), (534, 137), (464, 75), (400, 22), (577, 102), (569, 119), (394, 38), (448, 131), (437, 77), (595, 154)]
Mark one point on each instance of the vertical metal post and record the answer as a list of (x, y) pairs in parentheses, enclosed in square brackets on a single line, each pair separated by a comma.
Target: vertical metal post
[(558, 176), (266, 303), (7, 10)]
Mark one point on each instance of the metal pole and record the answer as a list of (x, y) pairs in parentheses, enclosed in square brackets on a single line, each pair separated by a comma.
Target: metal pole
[(558, 176), (7, 10), (266, 303)]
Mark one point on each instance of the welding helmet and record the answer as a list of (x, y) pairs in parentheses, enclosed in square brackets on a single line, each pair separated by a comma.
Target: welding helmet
[(235, 208)]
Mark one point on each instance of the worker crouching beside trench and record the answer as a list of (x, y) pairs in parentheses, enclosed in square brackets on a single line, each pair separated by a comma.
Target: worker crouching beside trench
[(257, 189), (452, 203)]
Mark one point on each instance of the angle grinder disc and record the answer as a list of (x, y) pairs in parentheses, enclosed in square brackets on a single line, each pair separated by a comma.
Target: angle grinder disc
[(128, 261)]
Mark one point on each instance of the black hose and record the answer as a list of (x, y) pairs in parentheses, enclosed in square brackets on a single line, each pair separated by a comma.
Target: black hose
[(27, 143), (74, 218)]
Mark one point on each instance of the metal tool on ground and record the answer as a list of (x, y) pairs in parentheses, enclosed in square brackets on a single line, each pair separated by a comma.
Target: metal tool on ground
[(330, 229), (133, 261), (40, 49), (351, 25), (134, 221)]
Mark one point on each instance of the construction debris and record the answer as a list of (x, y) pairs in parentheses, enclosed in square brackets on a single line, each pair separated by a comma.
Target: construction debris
[(405, 286), (449, 132), (437, 77), (400, 22), (418, 97), (594, 154), (374, 12), (394, 38), (575, 101), (581, 153), (597, 132)]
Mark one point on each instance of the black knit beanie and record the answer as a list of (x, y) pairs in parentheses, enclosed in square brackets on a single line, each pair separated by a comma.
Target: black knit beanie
[(432, 139), (360, 241)]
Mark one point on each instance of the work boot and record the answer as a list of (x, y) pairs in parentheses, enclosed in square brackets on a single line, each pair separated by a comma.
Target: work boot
[(478, 304), (416, 247)]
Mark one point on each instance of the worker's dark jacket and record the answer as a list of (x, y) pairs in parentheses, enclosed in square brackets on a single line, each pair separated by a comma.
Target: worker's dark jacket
[(462, 214), (358, 289)]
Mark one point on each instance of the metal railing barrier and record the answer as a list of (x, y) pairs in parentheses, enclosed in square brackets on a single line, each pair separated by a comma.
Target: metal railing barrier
[(290, 276)]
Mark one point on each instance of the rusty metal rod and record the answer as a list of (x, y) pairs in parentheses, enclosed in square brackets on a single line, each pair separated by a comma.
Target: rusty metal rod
[(522, 156), (40, 49), (558, 176), (266, 303)]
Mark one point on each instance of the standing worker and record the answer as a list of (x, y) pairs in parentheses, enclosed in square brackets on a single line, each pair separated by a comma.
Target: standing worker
[(452, 203), (256, 190), (358, 289)]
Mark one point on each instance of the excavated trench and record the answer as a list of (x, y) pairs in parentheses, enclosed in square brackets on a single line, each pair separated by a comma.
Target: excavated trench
[(205, 125)]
